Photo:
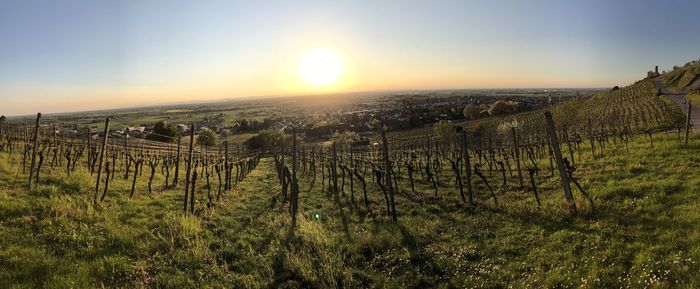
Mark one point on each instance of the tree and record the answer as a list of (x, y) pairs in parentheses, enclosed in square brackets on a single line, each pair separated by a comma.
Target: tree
[(163, 132), (207, 138), (472, 112), (345, 139), (269, 140), (444, 130), (243, 125), (504, 107)]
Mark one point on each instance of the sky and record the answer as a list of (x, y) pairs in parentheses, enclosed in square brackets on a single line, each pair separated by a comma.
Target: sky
[(73, 55)]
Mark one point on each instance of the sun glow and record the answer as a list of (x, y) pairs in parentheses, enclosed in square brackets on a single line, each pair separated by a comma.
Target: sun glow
[(321, 68)]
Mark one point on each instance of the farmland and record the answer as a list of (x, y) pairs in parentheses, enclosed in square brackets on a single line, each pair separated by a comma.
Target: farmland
[(482, 206), (349, 144), (644, 233)]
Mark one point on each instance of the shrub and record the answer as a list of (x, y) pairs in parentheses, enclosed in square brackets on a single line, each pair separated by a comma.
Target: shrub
[(163, 132), (345, 139), (472, 112), (444, 130), (268, 140), (207, 138), (504, 107)]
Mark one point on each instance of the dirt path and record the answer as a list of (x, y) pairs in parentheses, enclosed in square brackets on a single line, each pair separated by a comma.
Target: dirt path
[(678, 99)]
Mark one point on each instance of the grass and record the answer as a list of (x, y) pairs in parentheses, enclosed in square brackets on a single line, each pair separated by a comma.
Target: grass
[(680, 78), (694, 98), (643, 234), (238, 138)]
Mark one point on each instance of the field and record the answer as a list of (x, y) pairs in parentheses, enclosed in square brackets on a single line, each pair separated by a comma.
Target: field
[(329, 214), (349, 144), (643, 232)]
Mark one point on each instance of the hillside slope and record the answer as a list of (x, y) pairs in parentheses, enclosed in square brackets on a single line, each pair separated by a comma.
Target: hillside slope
[(683, 79), (634, 108), (641, 228)]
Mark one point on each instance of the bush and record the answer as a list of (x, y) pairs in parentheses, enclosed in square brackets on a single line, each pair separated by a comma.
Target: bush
[(504, 107), (207, 138), (345, 139), (163, 132), (472, 112), (444, 130), (269, 140)]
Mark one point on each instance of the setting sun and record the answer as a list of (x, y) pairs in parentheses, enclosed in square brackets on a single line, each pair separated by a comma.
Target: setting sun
[(321, 68)]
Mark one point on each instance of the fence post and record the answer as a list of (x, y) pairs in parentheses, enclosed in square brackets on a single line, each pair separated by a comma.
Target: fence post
[(101, 159), (516, 154), (36, 136), (468, 171), (554, 144), (189, 166), (387, 175), (687, 123)]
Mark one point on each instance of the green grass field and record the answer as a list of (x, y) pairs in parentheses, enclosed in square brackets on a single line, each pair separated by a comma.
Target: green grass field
[(644, 233)]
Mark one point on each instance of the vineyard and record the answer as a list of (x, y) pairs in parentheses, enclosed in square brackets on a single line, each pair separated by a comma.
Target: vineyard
[(593, 193)]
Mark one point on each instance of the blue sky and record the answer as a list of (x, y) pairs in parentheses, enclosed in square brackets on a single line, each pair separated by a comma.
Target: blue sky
[(74, 55)]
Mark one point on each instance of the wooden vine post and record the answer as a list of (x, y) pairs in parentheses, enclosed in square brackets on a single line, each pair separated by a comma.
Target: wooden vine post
[(468, 166), (554, 143), (334, 165), (189, 166), (590, 137), (516, 154), (387, 174), (89, 150), (227, 179), (2, 121), (36, 136), (126, 142), (565, 134), (295, 189), (687, 123), (101, 159), (53, 132), (177, 159)]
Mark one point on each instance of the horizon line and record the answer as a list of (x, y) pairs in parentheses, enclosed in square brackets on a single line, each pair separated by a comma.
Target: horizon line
[(291, 95)]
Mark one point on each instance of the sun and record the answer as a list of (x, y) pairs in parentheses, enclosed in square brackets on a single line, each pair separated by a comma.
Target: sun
[(321, 67)]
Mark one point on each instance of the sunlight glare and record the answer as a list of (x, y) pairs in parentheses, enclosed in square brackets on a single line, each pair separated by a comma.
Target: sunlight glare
[(320, 67)]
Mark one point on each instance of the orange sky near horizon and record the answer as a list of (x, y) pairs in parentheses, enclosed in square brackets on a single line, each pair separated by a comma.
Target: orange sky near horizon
[(76, 55)]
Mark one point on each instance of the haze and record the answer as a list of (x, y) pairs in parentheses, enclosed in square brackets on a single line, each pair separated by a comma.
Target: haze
[(58, 56)]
